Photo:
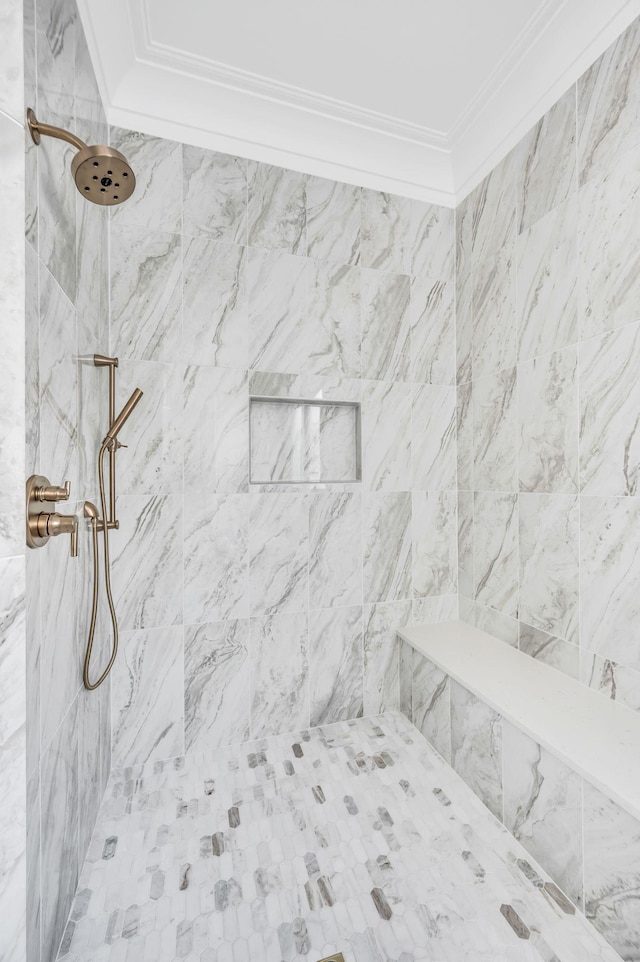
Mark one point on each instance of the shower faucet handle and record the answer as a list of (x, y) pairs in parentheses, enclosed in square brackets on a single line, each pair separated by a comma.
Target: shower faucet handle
[(53, 492)]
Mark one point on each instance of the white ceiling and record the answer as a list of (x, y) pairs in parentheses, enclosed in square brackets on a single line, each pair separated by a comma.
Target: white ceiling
[(417, 97)]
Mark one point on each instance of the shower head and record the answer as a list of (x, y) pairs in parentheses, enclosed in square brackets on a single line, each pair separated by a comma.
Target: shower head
[(102, 174), (114, 430)]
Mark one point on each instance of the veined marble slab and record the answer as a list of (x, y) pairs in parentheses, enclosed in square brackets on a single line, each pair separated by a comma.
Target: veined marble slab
[(597, 738)]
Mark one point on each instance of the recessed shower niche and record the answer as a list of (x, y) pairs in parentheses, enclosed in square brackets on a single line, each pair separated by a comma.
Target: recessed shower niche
[(296, 441)]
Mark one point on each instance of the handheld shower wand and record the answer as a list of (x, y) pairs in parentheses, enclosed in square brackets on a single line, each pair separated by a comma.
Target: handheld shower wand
[(110, 443)]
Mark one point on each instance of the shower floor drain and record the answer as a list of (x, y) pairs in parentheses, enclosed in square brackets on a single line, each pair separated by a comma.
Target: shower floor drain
[(338, 957)]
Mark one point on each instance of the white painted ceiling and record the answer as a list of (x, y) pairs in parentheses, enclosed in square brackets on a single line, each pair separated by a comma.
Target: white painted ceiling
[(418, 97)]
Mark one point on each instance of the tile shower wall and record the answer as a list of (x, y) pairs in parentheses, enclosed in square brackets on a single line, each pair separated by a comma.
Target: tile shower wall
[(548, 344), (249, 610), (68, 737), (13, 791)]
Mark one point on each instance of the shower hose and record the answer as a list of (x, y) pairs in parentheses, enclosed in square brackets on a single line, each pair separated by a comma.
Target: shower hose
[(106, 444)]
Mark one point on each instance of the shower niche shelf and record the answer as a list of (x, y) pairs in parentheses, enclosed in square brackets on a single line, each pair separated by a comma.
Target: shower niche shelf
[(301, 441)]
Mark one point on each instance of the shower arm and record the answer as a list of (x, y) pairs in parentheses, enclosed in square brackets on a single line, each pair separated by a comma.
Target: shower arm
[(37, 130)]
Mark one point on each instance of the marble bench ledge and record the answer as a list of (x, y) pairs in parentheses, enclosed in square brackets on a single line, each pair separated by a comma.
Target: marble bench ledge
[(598, 738)]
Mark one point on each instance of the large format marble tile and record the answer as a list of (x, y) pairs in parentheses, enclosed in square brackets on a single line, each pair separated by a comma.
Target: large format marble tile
[(278, 552), (277, 217), (278, 321), (611, 680), (28, 16), (476, 746), (216, 428), (609, 573), (550, 650), (548, 423), (381, 670), (386, 326), (90, 751), (432, 340), (385, 243), (92, 265), (494, 313), (494, 203), (332, 321), (146, 557), (609, 248), (216, 684), (495, 432), (543, 808), (147, 692), (465, 544), (31, 950), (464, 436), (431, 611), (216, 570), (32, 363), (336, 664), (215, 308), (431, 703), (612, 872), (545, 162), (11, 98), (279, 673), (546, 269), (156, 203), (333, 221), (433, 441), (495, 550), (386, 436), (549, 563), (59, 791), (214, 195), (609, 399), (335, 549), (609, 106), (435, 532), (146, 293), (59, 645), (386, 546), (432, 237), (464, 289)]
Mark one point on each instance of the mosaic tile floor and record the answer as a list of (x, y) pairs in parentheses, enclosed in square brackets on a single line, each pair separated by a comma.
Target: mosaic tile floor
[(354, 837)]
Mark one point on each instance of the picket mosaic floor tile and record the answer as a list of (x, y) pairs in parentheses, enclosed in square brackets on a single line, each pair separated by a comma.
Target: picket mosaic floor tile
[(353, 838)]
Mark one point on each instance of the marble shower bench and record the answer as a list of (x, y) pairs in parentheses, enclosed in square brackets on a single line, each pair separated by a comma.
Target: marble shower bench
[(556, 763)]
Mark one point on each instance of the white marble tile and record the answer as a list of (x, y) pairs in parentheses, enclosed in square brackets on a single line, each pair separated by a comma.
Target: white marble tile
[(216, 570), (436, 609), (433, 331), (465, 544), (609, 397), (89, 765), (609, 248), (32, 939), (32, 362), (147, 692), (156, 203), (333, 221), (495, 430), (494, 202), (431, 704), (146, 293), (215, 303), (59, 791), (432, 237), (216, 428), (277, 217), (279, 673), (278, 552), (11, 98), (336, 664), (433, 442), (216, 679), (29, 98), (495, 550), (59, 646), (146, 556), (494, 316), (550, 650), (92, 260), (546, 270), (549, 526), (613, 681), (476, 746), (464, 436), (386, 436), (214, 195), (405, 677), (464, 289), (13, 706), (435, 549), (90, 116), (32, 589), (611, 874), (385, 243), (609, 571), (332, 321), (545, 162), (548, 423), (543, 808), (386, 325), (386, 546), (335, 549), (278, 297), (495, 623), (609, 106), (381, 673)]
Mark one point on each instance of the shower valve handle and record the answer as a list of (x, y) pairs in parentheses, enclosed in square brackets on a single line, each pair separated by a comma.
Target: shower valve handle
[(52, 492)]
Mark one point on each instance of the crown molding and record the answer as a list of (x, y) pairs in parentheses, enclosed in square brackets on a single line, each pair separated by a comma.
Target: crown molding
[(161, 90)]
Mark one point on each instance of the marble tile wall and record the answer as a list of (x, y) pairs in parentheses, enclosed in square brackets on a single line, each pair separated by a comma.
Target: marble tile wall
[(548, 346), (589, 845), (250, 609), (13, 701), (68, 742)]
